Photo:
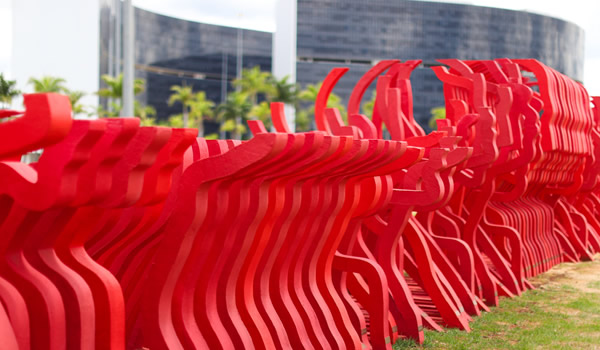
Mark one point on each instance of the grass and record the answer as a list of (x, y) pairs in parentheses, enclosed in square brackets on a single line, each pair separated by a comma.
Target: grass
[(594, 285), (562, 313)]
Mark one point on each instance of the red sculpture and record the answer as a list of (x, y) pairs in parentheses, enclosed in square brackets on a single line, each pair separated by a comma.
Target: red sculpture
[(123, 236)]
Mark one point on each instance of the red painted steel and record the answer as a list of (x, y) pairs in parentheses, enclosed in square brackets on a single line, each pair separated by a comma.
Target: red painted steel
[(124, 236)]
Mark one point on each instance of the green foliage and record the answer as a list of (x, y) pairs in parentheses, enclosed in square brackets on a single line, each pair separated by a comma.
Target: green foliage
[(48, 84), (7, 90), (145, 113), (254, 82), (302, 120), (195, 107), (309, 94), (369, 106), (114, 91), (74, 97), (114, 87), (234, 112), (283, 91), (436, 113), (262, 111), (236, 105), (113, 111), (200, 107), (232, 126), (553, 316), (182, 94), (594, 285), (175, 121)]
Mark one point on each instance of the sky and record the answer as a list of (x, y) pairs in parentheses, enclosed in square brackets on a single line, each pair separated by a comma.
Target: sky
[(260, 15)]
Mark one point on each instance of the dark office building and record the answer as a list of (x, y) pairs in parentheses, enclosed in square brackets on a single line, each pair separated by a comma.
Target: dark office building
[(170, 51), (357, 34)]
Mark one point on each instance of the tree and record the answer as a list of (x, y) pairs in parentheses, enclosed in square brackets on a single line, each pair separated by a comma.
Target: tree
[(254, 82), (7, 91), (74, 97), (302, 120), (309, 94), (436, 113), (262, 111), (200, 108), (184, 95), (114, 87), (145, 113), (233, 113), (48, 84), (369, 106), (114, 91), (112, 112), (282, 91)]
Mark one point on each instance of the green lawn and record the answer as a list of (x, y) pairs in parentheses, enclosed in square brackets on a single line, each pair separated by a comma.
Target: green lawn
[(562, 313)]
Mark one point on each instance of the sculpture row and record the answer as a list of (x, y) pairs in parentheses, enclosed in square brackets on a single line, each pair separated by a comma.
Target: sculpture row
[(123, 236)]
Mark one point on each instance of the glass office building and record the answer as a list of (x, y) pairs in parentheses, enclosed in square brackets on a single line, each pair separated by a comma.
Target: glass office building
[(352, 33), (357, 33), (170, 51)]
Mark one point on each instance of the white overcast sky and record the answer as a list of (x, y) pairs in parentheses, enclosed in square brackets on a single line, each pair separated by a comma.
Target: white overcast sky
[(259, 14)]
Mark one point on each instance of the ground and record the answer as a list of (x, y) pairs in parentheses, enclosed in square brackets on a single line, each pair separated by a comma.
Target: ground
[(563, 312)]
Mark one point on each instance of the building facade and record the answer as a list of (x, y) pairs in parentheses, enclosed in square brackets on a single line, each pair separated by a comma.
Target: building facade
[(357, 33), (351, 33), (170, 51)]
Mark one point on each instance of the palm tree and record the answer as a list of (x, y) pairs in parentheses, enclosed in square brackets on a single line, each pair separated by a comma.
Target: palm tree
[(309, 94), (253, 82), (145, 113), (114, 92), (183, 94), (57, 85), (114, 87), (200, 108), (48, 83), (113, 111), (436, 113), (302, 120), (233, 112), (74, 97), (283, 91), (7, 91), (262, 111)]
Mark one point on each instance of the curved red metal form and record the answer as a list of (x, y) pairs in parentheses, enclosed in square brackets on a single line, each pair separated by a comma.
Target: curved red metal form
[(363, 84), (323, 96), (125, 236)]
